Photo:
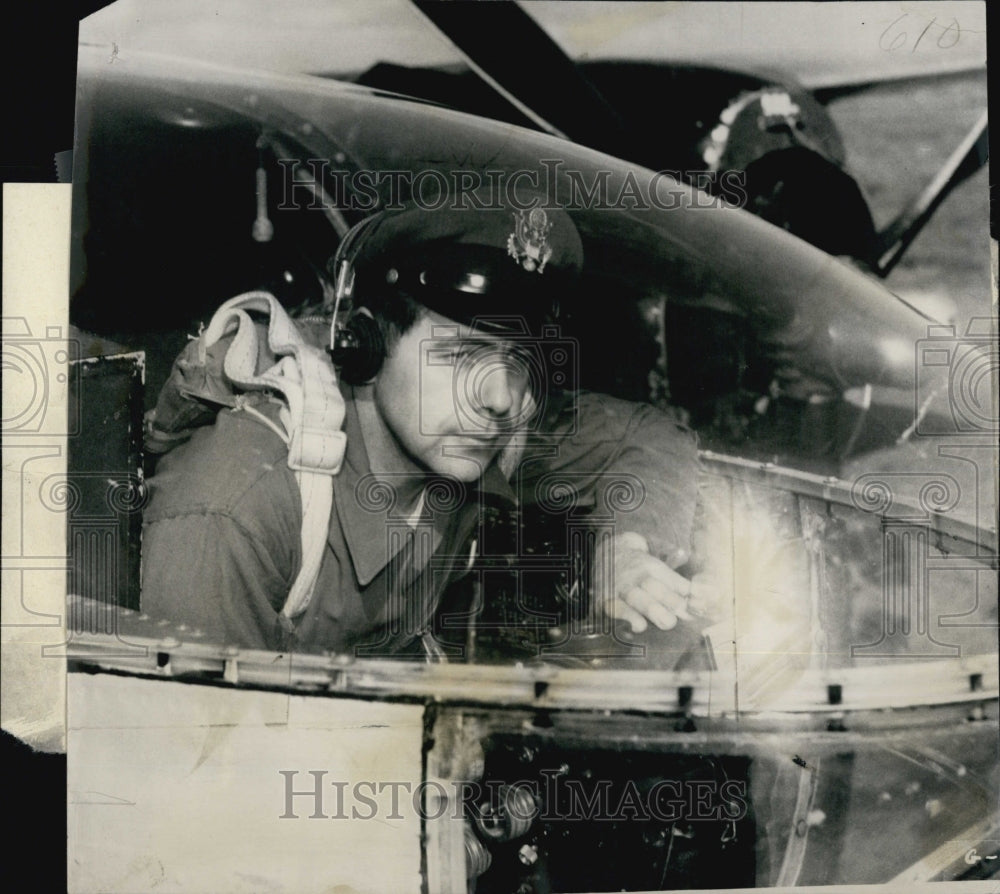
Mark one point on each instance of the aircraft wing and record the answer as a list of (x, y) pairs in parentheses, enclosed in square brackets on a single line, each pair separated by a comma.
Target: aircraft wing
[(825, 47), (810, 311)]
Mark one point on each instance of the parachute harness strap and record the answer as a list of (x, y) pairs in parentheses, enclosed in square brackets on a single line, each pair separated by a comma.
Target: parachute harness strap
[(313, 415)]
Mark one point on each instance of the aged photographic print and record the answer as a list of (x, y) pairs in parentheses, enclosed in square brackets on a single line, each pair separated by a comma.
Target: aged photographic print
[(522, 447)]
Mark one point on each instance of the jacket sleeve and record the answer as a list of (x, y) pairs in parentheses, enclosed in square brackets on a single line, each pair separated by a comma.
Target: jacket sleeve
[(211, 573), (620, 463), (221, 536)]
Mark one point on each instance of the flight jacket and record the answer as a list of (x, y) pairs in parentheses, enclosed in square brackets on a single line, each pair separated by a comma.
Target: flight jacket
[(221, 535)]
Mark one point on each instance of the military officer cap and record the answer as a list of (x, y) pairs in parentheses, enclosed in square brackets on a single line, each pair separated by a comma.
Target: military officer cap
[(489, 267)]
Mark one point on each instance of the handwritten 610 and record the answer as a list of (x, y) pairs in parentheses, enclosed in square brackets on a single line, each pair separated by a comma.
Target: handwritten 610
[(902, 34)]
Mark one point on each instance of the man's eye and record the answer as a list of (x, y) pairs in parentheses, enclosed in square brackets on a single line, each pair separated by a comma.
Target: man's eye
[(443, 356)]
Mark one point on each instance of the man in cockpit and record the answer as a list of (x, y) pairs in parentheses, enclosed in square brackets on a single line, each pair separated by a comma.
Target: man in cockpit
[(440, 402)]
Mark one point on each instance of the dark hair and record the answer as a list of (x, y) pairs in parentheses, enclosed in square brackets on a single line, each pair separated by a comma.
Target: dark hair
[(395, 311)]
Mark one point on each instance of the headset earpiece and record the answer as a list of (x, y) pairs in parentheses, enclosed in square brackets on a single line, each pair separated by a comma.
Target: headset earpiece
[(358, 349)]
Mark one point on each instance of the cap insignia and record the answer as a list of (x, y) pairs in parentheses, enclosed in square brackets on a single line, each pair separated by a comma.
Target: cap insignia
[(528, 244)]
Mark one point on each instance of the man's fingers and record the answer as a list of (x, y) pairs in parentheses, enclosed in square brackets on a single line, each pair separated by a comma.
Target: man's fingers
[(660, 571), (668, 598), (646, 587), (623, 612), (650, 607), (631, 568), (706, 599), (631, 540)]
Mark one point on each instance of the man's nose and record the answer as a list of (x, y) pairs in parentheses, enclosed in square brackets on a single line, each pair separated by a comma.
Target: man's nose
[(497, 390)]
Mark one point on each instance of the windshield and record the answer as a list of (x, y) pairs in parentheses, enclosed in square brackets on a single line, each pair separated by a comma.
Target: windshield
[(665, 268)]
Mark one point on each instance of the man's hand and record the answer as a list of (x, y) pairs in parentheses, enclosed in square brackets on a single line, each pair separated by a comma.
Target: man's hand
[(645, 588)]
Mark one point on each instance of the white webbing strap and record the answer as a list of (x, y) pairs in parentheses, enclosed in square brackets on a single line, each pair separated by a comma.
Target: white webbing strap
[(313, 418)]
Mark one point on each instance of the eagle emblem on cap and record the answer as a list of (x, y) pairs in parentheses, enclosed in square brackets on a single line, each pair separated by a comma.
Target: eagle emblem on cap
[(528, 244)]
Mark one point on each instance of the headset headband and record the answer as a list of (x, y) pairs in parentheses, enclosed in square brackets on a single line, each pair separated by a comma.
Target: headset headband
[(343, 266)]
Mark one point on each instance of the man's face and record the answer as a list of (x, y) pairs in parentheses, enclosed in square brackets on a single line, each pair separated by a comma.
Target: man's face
[(452, 396)]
